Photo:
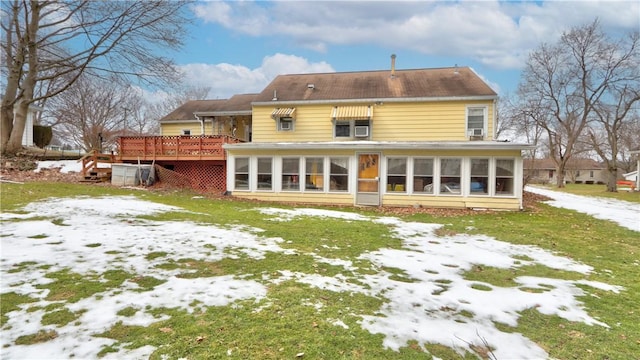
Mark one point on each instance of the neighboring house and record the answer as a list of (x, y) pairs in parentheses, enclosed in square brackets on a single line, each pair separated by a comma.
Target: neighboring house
[(632, 176), (637, 172), (27, 135), (422, 137), (577, 171)]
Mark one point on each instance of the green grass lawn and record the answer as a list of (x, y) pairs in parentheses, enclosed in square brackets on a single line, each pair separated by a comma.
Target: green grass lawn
[(294, 318), (597, 190)]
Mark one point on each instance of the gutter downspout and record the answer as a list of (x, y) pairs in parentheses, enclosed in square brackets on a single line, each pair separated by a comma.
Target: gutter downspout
[(495, 116), (638, 172), (201, 123)]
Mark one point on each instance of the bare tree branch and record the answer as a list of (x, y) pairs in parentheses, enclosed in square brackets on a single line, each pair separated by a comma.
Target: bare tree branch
[(55, 42)]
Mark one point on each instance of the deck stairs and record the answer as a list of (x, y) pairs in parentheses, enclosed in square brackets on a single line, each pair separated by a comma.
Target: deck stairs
[(91, 169)]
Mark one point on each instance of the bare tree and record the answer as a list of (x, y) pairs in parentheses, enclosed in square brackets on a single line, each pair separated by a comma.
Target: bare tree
[(629, 141), (562, 84), (55, 42), (506, 118), (181, 94), (145, 112), (616, 108), (90, 113)]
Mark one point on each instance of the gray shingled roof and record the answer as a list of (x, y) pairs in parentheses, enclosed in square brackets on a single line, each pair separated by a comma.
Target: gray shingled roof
[(186, 110), (237, 104), (419, 83)]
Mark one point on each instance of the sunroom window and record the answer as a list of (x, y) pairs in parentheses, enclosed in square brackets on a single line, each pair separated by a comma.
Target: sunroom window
[(314, 174), (504, 176), (397, 174), (291, 174), (450, 176), (339, 174), (423, 176), (241, 181), (265, 174), (479, 183)]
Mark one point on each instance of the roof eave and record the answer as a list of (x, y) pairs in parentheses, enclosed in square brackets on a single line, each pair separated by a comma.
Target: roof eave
[(362, 145), (177, 121), (377, 100), (222, 113)]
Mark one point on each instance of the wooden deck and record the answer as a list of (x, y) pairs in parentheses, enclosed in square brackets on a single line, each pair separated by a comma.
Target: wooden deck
[(147, 148)]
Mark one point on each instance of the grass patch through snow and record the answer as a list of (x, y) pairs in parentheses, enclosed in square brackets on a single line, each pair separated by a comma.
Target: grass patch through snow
[(294, 317)]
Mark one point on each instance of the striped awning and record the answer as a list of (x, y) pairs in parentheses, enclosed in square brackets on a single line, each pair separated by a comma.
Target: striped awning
[(362, 112), (283, 112)]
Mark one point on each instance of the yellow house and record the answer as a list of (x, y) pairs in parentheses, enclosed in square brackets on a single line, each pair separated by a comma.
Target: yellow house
[(230, 117), (420, 137)]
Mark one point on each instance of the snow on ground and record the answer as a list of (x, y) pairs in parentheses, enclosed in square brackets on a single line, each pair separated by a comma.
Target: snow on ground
[(626, 214), (65, 166), (436, 305)]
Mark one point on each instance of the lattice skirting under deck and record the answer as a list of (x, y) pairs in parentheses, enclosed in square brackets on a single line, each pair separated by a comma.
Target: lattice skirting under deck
[(205, 176)]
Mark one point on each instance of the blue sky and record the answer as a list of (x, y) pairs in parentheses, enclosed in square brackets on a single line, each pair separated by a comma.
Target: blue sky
[(240, 46)]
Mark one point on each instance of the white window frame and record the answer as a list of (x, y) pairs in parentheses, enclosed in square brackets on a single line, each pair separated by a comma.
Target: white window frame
[(286, 119), (306, 171), (515, 182), (185, 132), (462, 176), (349, 174), (298, 174), (257, 173), (490, 164), (248, 173), (352, 126), (485, 115), (343, 123), (393, 190)]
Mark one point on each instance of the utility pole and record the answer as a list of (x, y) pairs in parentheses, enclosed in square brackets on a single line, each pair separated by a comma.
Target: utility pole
[(124, 129)]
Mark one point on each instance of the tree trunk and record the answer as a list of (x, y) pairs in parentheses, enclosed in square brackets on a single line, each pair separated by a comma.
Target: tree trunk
[(29, 83), (612, 177), (6, 113), (19, 121), (560, 175)]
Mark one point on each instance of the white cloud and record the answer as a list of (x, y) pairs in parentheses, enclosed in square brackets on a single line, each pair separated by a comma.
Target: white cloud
[(226, 80), (497, 34)]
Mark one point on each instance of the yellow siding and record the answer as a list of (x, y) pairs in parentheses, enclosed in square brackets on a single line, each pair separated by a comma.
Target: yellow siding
[(387, 200), (313, 123), (297, 197), (431, 201), (458, 153), (428, 121), (284, 152), (174, 129), (425, 121)]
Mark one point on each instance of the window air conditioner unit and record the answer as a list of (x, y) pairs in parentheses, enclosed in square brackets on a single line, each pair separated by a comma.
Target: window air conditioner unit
[(285, 125), (476, 132), (361, 131)]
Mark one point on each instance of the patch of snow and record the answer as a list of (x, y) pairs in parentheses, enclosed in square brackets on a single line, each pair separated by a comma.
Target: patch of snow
[(626, 214), (65, 166), (430, 302)]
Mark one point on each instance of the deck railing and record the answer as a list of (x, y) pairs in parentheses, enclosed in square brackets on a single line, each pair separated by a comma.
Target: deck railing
[(201, 147)]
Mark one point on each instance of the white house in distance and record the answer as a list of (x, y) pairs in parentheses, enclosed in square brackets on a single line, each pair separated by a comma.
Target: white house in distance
[(635, 175), (27, 135)]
